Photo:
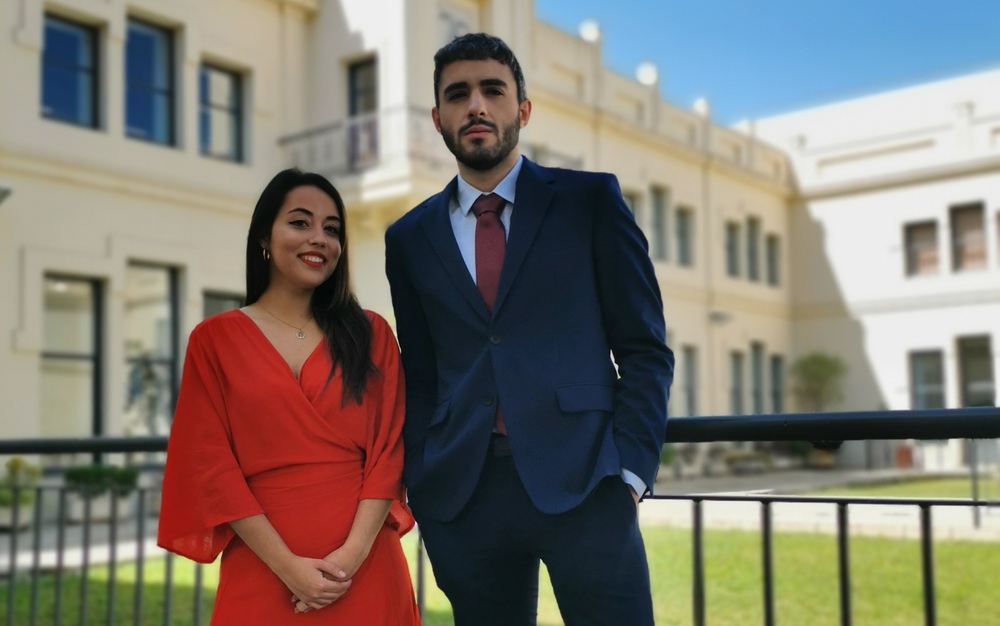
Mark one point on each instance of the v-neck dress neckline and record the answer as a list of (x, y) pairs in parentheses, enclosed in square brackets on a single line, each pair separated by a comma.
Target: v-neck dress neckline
[(277, 354)]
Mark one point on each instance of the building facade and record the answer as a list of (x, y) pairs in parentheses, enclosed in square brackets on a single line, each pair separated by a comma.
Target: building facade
[(140, 133)]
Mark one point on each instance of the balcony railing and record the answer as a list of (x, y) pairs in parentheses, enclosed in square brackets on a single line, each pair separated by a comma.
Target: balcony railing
[(51, 557), (394, 135)]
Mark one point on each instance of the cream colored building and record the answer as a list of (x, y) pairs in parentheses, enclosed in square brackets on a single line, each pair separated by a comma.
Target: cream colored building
[(896, 244), (139, 134)]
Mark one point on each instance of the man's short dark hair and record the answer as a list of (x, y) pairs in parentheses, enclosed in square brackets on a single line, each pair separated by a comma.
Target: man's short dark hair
[(477, 47)]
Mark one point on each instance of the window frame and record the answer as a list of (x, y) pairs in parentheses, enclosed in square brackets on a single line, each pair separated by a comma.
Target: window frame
[(689, 355), (772, 245), (777, 383), (237, 112), (170, 91), (737, 363), (173, 361), (354, 93), (958, 242), (97, 357), (911, 250), (684, 226), (734, 233), (917, 390), (757, 377), (754, 229), (659, 203), (93, 34)]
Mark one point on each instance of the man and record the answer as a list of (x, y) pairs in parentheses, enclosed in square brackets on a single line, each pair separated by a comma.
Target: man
[(511, 289)]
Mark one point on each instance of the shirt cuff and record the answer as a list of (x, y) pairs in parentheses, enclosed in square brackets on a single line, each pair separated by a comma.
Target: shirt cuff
[(634, 482)]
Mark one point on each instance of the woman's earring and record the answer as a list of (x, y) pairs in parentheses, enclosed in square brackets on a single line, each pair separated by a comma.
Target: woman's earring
[(266, 253)]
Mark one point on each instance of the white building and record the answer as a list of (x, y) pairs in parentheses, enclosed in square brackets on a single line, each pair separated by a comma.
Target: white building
[(896, 243), (135, 136)]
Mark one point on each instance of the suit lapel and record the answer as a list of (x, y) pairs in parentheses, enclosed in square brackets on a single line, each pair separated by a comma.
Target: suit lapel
[(436, 223), (534, 194)]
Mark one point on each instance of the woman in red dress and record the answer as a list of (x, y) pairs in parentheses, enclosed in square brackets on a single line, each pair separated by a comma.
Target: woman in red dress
[(285, 454)]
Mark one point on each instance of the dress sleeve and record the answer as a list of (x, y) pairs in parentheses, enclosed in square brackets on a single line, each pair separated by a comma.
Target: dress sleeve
[(203, 486), (383, 472)]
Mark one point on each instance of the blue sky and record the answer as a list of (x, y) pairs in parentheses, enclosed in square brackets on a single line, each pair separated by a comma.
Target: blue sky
[(756, 58)]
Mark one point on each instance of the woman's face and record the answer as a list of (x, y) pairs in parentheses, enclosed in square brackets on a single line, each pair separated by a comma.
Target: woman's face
[(305, 239)]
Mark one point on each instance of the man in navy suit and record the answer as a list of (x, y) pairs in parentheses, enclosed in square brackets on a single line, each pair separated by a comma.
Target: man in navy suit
[(512, 289)]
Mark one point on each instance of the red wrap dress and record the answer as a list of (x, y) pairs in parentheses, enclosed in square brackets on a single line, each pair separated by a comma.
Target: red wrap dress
[(249, 438)]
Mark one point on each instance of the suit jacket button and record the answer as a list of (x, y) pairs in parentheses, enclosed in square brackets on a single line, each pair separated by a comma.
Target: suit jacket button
[(488, 401), (495, 340)]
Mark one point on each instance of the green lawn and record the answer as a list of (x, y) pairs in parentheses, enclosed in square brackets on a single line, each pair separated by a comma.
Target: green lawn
[(885, 581), (989, 488)]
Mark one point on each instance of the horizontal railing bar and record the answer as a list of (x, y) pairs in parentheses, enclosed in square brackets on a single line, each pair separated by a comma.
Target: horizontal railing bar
[(967, 423), (759, 497), (83, 445)]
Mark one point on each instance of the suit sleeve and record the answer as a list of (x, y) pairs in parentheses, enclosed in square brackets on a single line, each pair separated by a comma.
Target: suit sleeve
[(203, 486), (383, 471), (632, 310), (417, 353)]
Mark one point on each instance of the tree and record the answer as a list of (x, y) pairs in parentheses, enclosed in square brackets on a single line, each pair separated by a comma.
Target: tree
[(817, 381)]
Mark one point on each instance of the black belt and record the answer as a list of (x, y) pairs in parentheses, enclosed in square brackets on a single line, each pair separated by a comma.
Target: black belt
[(499, 445)]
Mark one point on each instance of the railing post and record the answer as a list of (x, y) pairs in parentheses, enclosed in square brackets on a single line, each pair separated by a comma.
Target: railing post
[(768, 561), (927, 561), (421, 579), (698, 588), (843, 553)]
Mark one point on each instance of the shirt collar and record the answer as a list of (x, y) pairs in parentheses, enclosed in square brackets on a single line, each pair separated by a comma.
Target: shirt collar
[(467, 194)]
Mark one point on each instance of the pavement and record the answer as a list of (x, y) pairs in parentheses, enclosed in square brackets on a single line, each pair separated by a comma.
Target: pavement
[(897, 521)]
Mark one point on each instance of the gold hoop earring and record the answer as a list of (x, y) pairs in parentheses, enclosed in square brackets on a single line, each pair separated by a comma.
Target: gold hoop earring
[(266, 254)]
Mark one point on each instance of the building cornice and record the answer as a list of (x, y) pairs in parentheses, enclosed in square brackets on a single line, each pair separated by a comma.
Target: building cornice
[(916, 176)]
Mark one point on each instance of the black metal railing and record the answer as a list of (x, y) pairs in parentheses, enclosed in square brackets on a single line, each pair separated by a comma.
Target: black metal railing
[(40, 548)]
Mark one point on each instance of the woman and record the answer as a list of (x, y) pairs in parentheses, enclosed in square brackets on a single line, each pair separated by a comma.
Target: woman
[(285, 453)]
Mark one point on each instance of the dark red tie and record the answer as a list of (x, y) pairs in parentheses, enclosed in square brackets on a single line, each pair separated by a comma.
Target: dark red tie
[(491, 244)]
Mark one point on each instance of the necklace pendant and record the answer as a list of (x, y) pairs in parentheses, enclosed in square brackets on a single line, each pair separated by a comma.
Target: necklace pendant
[(301, 334)]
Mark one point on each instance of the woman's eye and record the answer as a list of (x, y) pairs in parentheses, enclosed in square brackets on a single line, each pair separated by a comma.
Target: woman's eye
[(333, 231), (299, 223)]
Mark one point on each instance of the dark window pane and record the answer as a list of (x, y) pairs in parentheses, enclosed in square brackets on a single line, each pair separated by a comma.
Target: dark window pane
[(149, 90), (215, 303), (68, 79), (927, 380), (362, 88)]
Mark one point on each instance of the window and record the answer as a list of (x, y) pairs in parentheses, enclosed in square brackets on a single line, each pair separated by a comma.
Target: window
[(753, 249), (689, 363), (921, 248), (757, 376), (968, 237), (777, 384), (71, 358), (658, 207), (362, 87), (220, 115), (69, 72), (149, 83), (773, 260), (215, 303), (975, 368), (151, 346), (736, 383), (733, 249), (632, 202), (926, 380), (685, 225)]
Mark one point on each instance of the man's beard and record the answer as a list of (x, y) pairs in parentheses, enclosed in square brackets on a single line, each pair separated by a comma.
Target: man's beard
[(479, 157)]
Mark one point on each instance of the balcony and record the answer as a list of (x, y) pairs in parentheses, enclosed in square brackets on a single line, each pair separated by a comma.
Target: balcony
[(103, 566)]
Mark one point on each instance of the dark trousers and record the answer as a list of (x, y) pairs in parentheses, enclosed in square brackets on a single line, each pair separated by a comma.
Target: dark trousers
[(486, 560)]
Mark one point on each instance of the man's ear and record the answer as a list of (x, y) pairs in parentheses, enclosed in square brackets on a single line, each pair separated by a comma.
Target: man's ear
[(436, 116), (524, 112)]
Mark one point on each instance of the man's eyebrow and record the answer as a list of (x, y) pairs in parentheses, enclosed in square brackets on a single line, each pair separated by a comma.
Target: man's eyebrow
[(493, 82), (456, 87)]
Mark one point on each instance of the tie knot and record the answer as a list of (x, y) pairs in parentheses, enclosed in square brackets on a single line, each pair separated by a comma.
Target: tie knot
[(488, 203)]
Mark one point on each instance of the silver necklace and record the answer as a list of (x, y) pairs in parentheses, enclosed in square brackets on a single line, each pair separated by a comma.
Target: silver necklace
[(301, 334)]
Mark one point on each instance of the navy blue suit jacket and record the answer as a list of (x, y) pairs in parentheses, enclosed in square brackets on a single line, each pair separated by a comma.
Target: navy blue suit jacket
[(576, 287)]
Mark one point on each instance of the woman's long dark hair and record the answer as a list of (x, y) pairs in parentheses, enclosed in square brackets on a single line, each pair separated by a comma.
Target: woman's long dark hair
[(346, 326)]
